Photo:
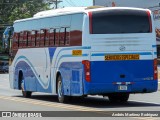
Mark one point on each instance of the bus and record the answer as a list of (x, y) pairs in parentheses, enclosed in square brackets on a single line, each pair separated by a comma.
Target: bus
[(85, 51), (6, 38), (4, 51)]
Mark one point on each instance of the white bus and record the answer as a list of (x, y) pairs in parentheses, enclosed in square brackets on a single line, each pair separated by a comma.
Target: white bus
[(81, 51)]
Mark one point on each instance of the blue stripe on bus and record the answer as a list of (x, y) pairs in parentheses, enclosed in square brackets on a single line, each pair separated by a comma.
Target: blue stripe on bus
[(51, 52), (72, 48), (154, 45), (83, 55), (155, 53), (63, 56), (103, 54)]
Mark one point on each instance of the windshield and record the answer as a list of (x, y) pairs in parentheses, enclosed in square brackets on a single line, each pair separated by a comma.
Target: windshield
[(119, 21)]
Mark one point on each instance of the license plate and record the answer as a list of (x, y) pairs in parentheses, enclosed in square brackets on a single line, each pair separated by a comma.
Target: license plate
[(122, 87), (122, 57)]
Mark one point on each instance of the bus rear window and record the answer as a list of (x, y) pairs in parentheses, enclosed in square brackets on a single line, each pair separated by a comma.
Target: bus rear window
[(119, 21)]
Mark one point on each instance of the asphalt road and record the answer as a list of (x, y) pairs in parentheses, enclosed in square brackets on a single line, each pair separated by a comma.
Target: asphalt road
[(12, 100)]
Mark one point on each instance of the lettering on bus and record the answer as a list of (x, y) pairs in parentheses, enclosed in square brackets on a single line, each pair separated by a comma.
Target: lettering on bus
[(122, 57)]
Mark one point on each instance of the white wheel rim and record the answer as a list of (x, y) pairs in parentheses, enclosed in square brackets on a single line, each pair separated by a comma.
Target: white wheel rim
[(60, 89)]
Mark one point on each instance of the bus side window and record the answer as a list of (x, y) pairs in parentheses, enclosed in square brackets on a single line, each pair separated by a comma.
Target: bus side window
[(37, 38), (76, 30), (62, 36), (24, 39), (33, 38), (51, 37), (56, 37), (67, 36), (18, 38), (42, 37), (15, 41), (46, 37), (21, 40), (29, 42)]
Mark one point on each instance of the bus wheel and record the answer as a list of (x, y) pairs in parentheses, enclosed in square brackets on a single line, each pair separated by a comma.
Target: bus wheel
[(61, 97), (120, 97), (26, 94)]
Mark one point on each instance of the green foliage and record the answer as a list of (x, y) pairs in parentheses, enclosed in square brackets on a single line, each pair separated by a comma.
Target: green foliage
[(11, 10)]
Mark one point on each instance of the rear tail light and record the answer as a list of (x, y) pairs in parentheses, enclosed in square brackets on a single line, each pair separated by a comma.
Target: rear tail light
[(155, 70), (87, 73), (90, 22), (150, 22)]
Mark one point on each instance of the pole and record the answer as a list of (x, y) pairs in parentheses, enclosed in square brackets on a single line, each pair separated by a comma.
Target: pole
[(56, 4), (93, 2)]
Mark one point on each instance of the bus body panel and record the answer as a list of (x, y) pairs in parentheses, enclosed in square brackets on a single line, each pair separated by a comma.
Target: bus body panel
[(72, 73), (107, 88), (36, 72), (107, 76), (41, 76)]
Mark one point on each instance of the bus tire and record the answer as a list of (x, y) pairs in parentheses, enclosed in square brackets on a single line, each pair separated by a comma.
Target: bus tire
[(120, 97), (124, 97), (61, 97), (26, 94)]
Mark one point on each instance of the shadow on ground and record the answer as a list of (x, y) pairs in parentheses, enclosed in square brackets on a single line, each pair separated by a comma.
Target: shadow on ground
[(97, 102)]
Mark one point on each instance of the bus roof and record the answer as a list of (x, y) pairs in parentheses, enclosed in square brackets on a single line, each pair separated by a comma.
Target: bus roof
[(59, 11), (72, 10)]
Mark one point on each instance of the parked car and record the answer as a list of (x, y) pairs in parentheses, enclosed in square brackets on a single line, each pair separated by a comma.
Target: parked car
[(4, 67)]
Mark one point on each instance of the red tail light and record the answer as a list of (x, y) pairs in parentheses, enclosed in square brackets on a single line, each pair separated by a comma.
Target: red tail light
[(150, 22), (155, 70), (90, 22), (86, 64)]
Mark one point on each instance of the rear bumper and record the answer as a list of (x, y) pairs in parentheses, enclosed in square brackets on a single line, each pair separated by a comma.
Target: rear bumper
[(105, 88)]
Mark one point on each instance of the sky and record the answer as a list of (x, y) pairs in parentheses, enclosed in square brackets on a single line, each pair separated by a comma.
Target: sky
[(76, 3)]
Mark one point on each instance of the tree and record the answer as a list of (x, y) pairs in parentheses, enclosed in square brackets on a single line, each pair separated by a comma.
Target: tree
[(11, 10)]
